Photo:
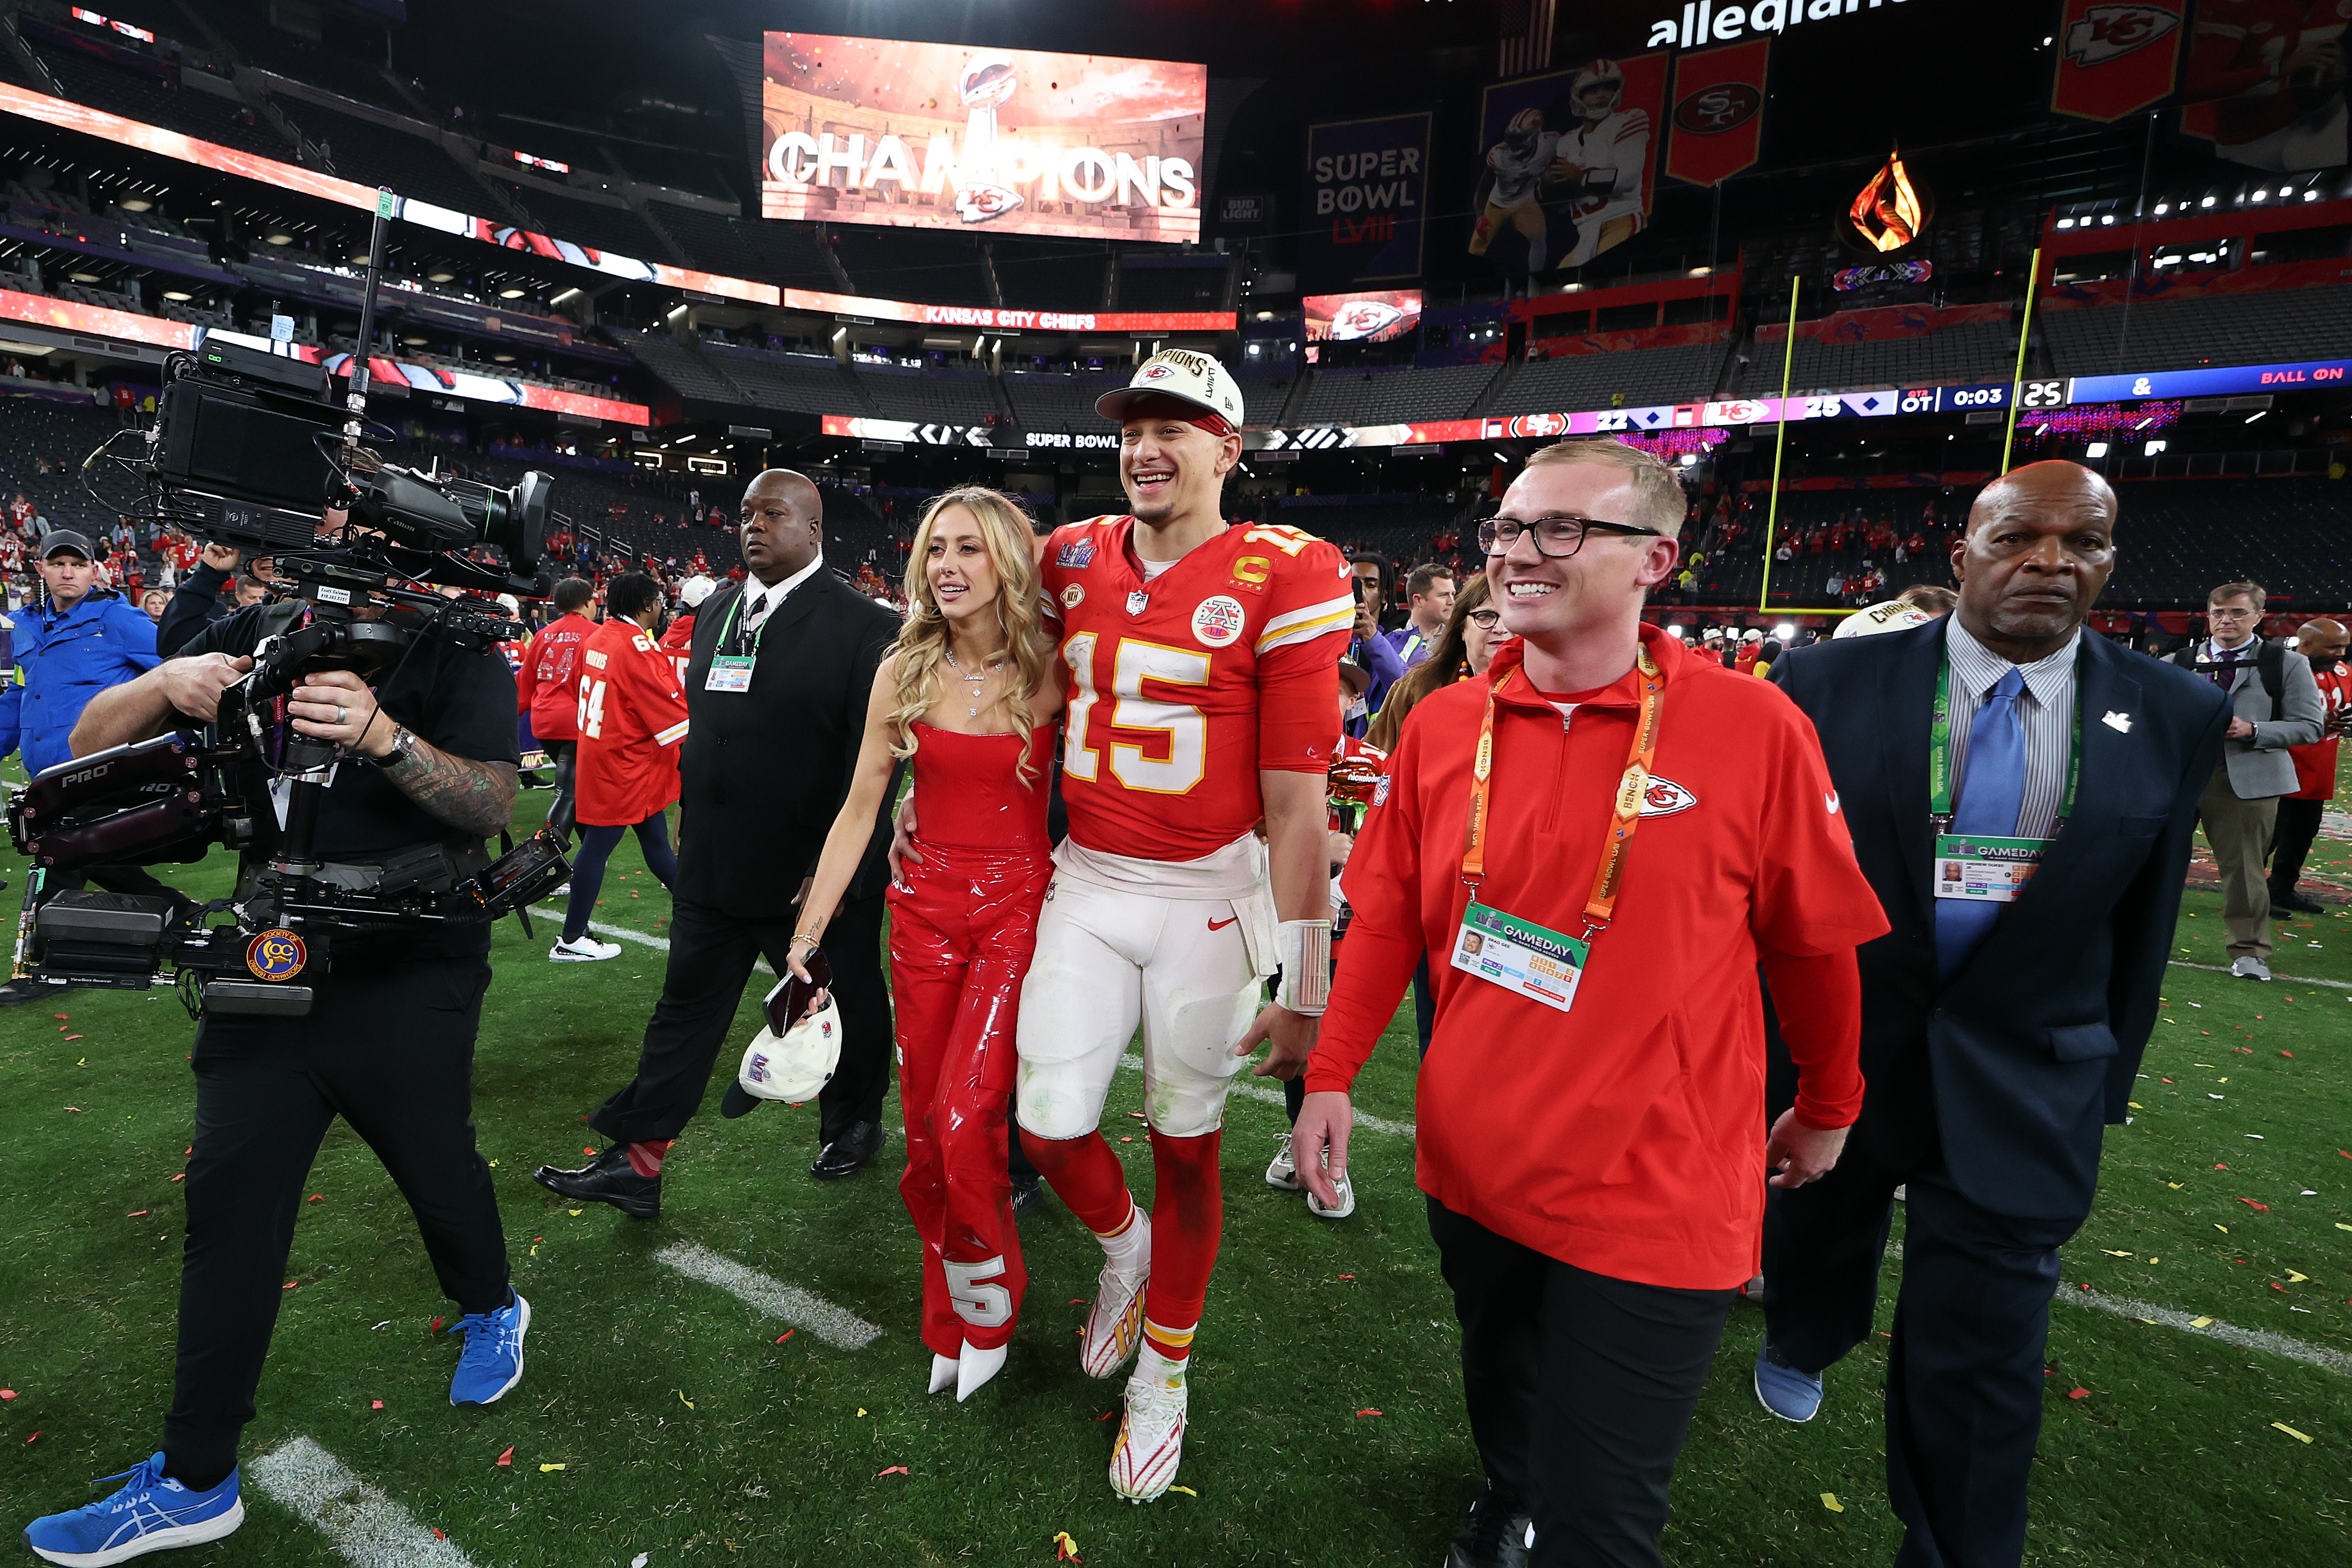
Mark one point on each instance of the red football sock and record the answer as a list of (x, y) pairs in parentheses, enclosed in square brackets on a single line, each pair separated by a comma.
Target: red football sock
[(1086, 1175), (645, 1159), (1188, 1215)]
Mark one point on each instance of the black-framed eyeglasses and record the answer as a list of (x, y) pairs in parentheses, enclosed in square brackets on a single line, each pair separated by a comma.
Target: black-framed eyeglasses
[(1484, 619), (1558, 537)]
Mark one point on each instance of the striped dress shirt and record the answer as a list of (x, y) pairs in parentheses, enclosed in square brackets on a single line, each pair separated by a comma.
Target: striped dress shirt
[(2045, 712)]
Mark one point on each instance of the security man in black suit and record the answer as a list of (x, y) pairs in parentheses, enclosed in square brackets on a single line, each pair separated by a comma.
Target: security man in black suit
[(776, 693), (2002, 1024)]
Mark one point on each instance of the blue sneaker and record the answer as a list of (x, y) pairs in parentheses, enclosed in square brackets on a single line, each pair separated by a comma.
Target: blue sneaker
[(153, 1513), (493, 1360), (1791, 1395)]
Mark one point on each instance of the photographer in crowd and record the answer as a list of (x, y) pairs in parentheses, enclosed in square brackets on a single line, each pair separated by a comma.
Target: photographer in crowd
[(426, 759)]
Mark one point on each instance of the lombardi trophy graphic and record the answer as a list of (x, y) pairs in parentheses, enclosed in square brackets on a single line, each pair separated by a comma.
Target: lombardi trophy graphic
[(985, 84)]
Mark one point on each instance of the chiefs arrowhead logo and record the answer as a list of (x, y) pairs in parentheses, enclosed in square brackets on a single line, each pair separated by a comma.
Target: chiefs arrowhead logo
[(2110, 32), (1664, 797)]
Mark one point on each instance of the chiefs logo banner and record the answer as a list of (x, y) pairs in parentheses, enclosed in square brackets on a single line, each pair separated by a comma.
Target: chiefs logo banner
[(1718, 114), (2116, 57)]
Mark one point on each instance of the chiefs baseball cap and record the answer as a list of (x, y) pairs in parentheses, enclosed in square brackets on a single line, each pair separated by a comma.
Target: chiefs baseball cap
[(1187, 377), (64, 539)]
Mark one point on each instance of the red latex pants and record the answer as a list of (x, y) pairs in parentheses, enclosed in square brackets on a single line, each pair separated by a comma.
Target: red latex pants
[(962, 929)]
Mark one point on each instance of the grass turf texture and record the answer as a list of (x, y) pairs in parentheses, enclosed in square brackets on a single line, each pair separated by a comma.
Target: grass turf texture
[(688, 1434)]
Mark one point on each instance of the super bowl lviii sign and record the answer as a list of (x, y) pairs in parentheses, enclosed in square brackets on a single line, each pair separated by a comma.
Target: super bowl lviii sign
[(994, 141)]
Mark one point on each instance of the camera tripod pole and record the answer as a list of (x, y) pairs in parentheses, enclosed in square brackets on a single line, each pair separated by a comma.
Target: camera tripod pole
[(356, 399)]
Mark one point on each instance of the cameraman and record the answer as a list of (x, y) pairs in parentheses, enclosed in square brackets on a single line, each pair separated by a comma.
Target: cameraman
[(428, 758), (198, 600)]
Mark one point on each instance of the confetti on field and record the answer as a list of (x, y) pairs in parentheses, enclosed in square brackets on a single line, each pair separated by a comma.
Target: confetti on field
[(1829, 1501), (861, 1410), (2223, 1228), (2295, 1278), (1188, 1491), (2078, 1394), (136, 1214), (682, 1399), (33, 1438), (316, 1198), (2200, 1322), (7, 1394), (893, 1471), (571, 1211), (640, 1560), (545, 1468), (2298, 1437), (1106, 1414), (2260, 1208), (1361, 1414), (375, 1405), (2111, 1252), (73, 1036), (506, 1459), (1064, 1549), (788, 1333)]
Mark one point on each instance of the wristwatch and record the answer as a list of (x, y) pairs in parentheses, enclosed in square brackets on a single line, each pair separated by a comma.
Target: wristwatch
[(404, 745)]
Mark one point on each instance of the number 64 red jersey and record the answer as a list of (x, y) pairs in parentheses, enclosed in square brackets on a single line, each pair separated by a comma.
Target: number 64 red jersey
[(1183, 688)]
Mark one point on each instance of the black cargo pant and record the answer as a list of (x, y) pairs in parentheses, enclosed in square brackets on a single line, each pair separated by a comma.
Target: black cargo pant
[(388, 1047)]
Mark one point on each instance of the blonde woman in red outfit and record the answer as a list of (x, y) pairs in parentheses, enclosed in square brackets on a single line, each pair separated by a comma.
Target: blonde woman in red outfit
[(970, 696)]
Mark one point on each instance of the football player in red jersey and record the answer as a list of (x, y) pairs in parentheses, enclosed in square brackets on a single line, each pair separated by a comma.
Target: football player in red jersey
[(547, 688), (631, 715), (1203, 695)]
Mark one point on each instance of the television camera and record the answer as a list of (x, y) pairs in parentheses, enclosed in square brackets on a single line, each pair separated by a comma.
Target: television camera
[(246, 451)]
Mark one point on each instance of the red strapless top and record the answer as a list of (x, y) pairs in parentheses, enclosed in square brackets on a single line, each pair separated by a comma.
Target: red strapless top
[(968, 796)]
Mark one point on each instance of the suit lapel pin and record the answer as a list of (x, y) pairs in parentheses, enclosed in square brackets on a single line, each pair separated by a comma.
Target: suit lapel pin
[(2119, 722)]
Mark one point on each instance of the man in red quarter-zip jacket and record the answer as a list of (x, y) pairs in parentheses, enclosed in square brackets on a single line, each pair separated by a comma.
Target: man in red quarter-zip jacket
[(1650, 826)]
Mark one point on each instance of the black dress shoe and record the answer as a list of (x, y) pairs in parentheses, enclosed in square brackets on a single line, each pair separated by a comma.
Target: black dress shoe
[(847, 1154), (1027, 1198), (607, 1179), (1493, 1536), (2293, 902)]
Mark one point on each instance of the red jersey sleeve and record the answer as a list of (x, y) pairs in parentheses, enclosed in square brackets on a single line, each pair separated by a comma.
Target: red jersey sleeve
[(1810, 896), (1310, 608), (527, 678), (1384, 939), (655, 691)]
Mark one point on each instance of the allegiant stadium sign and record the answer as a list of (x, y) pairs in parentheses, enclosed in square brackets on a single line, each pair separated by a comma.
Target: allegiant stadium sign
[(1704, 22)]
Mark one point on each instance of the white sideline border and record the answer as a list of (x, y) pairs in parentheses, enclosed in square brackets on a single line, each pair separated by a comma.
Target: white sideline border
[(2290, 979), (837, 1326), (367, 1528), (2228, 1333)]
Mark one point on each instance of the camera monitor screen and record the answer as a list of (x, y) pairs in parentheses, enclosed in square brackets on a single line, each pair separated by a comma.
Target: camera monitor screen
[(880, 131)]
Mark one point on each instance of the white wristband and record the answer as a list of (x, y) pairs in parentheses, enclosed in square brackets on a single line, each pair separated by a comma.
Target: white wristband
[(1304, 949)]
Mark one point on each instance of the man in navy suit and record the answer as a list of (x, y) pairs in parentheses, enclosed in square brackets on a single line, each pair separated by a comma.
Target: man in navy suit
[(2004, 1014)]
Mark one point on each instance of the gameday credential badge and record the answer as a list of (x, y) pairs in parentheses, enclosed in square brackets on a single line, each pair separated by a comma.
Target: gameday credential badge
[(1217, 622), (275, 954)]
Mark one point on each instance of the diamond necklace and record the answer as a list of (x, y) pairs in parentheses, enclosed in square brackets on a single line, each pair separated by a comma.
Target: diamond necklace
[(975, 681)]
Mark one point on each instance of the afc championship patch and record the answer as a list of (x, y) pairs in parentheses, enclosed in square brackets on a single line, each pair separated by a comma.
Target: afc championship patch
[(1217, 622), (1076, 552), (275, 954)]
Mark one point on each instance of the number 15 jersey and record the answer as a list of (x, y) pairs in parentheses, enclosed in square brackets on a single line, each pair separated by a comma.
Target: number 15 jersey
[(1184, 688)]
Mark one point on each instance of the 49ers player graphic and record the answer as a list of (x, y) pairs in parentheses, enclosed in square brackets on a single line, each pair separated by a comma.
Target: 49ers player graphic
[(1600, 160), (1203, 687)]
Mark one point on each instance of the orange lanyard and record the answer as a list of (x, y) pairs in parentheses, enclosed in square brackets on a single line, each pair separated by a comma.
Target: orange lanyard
[(1625, 814)]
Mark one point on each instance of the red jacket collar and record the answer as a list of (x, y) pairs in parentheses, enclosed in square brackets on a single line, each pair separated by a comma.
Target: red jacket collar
[(1666, 652)]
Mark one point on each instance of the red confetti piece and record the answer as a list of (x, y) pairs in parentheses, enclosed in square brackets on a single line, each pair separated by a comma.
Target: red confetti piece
[(2164, 1080), (2220, 1167), (788, 1333), (2277, 1287), (61, 1017), (2251, 1204), (180, 1177), (73, 1036), (7, 1394), (1106, 1414), (437, 1534), (2078, 1287), (316, 1198), (2286, 1052), (136, 1214), (375, 1405), (436, 1328), (590, 1152), (1347, 1276), (892, 1470), (1361, 1414), (188, 1151), (33, 1438), (1077, 1300), (289, 1285), (2078, 1394), (506, 1459), (1126, 1139)]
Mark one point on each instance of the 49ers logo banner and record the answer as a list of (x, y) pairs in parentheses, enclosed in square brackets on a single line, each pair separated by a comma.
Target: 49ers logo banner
[(1718, 114), (2116, 56)]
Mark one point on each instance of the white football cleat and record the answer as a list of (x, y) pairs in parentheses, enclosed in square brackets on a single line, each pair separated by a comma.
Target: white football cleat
[(1151, 1433), (1115, 1322), (943, 1373), (1281, 1174), (587, 950), (1346, 1205)]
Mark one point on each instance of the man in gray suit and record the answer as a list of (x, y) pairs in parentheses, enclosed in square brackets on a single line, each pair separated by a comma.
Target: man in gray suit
[(2275, 704)]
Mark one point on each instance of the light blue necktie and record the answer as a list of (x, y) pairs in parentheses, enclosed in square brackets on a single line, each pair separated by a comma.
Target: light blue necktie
[(1992, 791)]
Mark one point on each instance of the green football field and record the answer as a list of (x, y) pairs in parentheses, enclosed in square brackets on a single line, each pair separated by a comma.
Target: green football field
[(2200, 1402)]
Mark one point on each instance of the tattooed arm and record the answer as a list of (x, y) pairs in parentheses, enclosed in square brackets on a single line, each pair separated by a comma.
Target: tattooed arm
[(475, 797)]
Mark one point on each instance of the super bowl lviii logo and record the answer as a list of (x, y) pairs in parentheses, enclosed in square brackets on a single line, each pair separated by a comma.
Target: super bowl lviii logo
[(886, 131)]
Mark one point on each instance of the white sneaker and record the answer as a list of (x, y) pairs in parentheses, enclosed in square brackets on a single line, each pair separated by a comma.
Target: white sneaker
[(1280, 1173), (1115, 1322), (587, 950), (2250, 968), (1151, 1433), (1343, 1209)]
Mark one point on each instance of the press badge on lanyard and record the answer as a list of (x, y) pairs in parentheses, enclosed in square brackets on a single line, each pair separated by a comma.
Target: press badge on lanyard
[(732, 672), (1522, 957), (1976, 866)]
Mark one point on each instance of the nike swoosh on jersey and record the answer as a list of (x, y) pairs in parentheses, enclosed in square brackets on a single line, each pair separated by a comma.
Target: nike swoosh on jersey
[(1220, 925)]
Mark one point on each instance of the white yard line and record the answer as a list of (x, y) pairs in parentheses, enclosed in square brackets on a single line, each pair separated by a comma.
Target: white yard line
[(2214, 1329), (2297, 978), (660, 944), (1248, 1089), (366, 1527), (835, 1326)]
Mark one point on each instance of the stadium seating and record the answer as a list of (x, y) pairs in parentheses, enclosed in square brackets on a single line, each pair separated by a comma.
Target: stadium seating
[(1044, 401), (929, 396), (679, 366), (1264, 394), (788, 253), (616, 229), (935, 266), (138, 96), (803, 384), (63, 435), (1043, 277), (1172, 287), (375, 154), (2279, 327), (1973, 353), (1393, 396), (1639, 378)]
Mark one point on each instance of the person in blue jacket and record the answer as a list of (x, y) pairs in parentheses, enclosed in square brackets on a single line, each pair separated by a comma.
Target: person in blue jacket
[(63, 652)]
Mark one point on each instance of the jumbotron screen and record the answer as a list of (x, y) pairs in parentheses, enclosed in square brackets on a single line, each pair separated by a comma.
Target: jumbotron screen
[(1369, 317), (880, 131)]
